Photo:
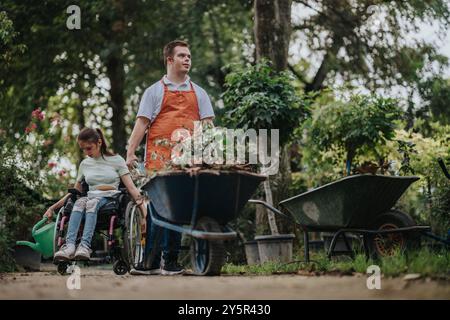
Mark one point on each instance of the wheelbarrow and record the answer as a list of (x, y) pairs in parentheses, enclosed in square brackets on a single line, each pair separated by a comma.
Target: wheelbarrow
[(28, 254), (359, 204), (200, 205)]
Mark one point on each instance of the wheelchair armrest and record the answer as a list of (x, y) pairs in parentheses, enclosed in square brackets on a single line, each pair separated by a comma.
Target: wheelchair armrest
[(74, 193)]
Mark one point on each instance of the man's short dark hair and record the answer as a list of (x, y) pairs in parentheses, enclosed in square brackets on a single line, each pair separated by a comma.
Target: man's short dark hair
[(170, 47)]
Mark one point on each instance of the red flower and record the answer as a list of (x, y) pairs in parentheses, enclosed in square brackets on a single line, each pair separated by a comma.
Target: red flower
[(62, 172), (51, 165)]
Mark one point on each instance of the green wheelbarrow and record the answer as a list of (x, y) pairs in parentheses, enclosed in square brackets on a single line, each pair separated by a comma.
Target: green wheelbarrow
[(29, 254), (361, 204)]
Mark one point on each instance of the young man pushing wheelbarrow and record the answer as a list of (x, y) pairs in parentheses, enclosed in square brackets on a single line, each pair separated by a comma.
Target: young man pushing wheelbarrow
[(172, 103)]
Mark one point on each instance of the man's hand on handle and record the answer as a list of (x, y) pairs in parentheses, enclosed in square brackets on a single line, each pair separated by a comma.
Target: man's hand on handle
[(131, 161)]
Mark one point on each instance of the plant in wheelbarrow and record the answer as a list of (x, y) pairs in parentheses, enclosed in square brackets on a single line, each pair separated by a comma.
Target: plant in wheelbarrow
[(258, 97)]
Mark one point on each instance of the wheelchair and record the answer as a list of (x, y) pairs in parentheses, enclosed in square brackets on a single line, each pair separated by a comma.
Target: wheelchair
[(118, 221)]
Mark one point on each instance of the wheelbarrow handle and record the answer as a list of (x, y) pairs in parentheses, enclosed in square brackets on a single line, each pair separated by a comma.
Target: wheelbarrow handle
[(271, 208), (444, 168)]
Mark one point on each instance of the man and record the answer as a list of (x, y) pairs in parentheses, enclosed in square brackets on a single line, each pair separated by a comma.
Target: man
[(172, 103)]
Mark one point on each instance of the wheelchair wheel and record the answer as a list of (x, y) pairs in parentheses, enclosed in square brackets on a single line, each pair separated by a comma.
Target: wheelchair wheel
[(57, 231), (134, 243), (120, 267), (62, 267), (207, 256)]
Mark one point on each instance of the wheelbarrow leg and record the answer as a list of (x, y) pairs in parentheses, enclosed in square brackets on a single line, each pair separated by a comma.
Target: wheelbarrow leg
[(341, 233), (306, 240), (348, 246), (366, 240), (333, 243)]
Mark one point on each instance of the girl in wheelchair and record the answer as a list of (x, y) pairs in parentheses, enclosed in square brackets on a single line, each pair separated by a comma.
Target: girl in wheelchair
[(103, 171)]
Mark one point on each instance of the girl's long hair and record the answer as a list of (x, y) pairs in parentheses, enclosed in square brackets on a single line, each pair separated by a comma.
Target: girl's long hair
[(94, 135)]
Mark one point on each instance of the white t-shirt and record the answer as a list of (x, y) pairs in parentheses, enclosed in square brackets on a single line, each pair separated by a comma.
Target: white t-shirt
[(102, 171), (152, 98)]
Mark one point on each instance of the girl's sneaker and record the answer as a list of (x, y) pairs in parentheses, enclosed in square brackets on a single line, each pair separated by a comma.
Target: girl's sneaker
[(83, 253), (66, 253)]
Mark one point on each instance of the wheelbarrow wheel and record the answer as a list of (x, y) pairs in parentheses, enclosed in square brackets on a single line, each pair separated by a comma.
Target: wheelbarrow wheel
[(207, 256), (383, 245)]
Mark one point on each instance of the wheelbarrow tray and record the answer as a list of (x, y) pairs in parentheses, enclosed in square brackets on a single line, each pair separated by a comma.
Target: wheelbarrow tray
[(178, 196), (352, 202)]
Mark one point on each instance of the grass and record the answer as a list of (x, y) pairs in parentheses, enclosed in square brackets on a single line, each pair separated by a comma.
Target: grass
[(423, 262)]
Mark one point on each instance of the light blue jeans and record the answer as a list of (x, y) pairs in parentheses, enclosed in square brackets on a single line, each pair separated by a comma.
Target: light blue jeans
[(88, 209)]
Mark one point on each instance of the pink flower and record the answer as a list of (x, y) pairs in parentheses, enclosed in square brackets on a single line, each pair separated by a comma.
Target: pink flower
[(56, 119), (38, 114), (62, 172)]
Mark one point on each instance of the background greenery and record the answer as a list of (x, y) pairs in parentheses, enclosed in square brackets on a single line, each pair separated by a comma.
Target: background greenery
[(331, 85)]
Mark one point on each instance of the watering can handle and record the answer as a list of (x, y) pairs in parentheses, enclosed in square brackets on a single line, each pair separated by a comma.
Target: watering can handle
[(39, 225)]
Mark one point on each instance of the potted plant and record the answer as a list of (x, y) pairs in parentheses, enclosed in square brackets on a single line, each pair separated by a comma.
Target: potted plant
[(257, 97)]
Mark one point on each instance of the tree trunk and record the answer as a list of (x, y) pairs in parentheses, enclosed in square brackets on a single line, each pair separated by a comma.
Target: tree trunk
[(348, 163), (80, 119), (218, 73), (116, 37), (272, 31), (116, 74)]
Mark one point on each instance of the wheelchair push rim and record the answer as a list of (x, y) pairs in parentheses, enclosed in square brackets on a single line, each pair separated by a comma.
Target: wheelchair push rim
[(134, 240)]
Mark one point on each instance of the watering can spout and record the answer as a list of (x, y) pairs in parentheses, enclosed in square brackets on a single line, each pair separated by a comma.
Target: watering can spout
[(32, 245)]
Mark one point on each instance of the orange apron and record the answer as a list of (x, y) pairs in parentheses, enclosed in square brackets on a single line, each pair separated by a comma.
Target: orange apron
[(179, 109)]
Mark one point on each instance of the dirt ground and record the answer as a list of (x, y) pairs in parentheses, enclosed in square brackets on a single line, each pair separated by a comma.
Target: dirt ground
[(98, 282)]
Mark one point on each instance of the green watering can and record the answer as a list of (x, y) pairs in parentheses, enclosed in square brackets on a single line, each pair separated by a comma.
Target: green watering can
[(43, 235)]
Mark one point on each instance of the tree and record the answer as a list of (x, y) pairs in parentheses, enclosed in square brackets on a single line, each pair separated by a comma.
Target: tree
[(362, 121), (115, 55), (258, 97), (368, 41), (272, 30), (436, 95)]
